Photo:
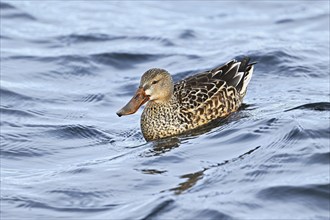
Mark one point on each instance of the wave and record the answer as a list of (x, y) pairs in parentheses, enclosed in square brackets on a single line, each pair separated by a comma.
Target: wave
[(18, 145), (56, 137), (319, 158), (7, 94), (6, 6), (82, 38), (210, 214), (316, 106), (92, 98), (85, 62), (16, 112), (314, 195), (78, 132), (285, 62), (24, 202), (124, 60), (160, 208), (187, 34), (267, 60), (284, 21), (86, 38), (9, 11)]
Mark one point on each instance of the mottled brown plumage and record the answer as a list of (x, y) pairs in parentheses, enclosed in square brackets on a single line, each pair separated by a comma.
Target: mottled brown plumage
[(177, 108)]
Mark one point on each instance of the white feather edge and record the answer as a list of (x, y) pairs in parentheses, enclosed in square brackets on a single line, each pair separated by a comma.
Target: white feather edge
[(247, 80)]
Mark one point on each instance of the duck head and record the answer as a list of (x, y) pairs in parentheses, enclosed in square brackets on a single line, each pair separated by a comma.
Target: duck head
[(156, 85)]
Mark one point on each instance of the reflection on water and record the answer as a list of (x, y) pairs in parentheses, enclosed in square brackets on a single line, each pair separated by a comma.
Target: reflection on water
[(66, 68), (192, 179), (162, 146)]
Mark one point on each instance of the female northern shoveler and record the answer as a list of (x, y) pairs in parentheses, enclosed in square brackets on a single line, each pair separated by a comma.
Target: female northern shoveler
[(176, 108)]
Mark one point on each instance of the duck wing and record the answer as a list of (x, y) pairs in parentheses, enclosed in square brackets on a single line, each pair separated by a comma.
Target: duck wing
[(195, 91)]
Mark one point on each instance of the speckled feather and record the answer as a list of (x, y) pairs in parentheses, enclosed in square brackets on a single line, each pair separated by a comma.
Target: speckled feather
[(197, 100)]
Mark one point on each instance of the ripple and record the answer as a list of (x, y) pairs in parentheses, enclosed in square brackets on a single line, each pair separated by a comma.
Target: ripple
[(16, 113), (7, 95), (292, 133), (273, 58), (187, 34), (124, 60), (77, 171), (23, 202), (163, 160), (85, 64), (77, 194), (319, 158), (288, 64), (282, 158), (100, 37), (5, 6), (163, 41), (60, 59), (234, 136), (10, 12), (19, 15), (284, 21), (316, 106), (16, 146), (159, 208), (69, 65), (4, 38), (84, 38), (282, 59), (269, 125), (127, 89), (64, 158), (210, 214), (27, 151), (93, 98), (78, 132), (311, 195)]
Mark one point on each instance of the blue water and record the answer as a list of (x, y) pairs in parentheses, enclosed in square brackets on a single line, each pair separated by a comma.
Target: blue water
[(68, 66)]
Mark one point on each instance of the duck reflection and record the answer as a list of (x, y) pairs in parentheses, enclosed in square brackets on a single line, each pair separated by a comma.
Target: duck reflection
[(192, 179), (162, 146)]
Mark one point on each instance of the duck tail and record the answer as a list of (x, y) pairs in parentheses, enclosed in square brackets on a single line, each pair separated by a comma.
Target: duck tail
[(247, 69)]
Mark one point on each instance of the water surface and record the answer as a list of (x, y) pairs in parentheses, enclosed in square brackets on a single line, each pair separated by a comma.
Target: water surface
[(68, 66)]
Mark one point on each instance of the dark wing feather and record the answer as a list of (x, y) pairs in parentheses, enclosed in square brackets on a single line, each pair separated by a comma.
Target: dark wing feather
[(197, 89)]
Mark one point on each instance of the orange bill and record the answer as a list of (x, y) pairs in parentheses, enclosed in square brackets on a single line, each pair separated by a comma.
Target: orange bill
[(134, 104)]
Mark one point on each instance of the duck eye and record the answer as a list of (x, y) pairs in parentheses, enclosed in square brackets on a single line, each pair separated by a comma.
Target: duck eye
[(155, 81)]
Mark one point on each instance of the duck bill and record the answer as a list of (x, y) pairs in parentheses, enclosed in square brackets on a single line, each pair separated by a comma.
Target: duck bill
[(134, 104)]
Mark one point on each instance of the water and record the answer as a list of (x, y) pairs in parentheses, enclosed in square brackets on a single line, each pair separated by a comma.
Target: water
[(68, 66)]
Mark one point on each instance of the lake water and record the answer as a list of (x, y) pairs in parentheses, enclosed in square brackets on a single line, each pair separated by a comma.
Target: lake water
[(68, 66)]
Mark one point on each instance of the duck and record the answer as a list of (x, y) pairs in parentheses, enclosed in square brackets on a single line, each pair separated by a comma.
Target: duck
[(173, 109)]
